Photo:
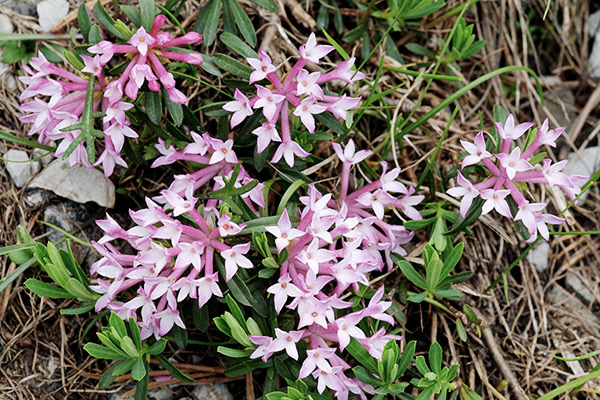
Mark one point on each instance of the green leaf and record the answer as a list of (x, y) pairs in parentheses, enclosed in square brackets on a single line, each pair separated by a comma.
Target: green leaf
[(77, 311), (134, 330), (123, 367), (417, 298), (243, 22), (412, 274), (116, 322), (232, 66), (335, 44), (44, 289), (234, 353), (129, 347), (173, 370), (417, 224), (361, 355), (407, 357), (77, 289), (235, 310), (240, 291), (452, 259), (107, 21), (331, 122), (238, 332), (16, 247), (14, 52), (460, 330), (364, 376), (180, 336), (268, 4), (153, 106), (237, 45), (107, 376), (139, 369), (420, 50), (245, 368), (175, 110), (133, 13), (141, 389), (212, 21), (84, 21), (102, 352), (435, 357), (157, 347), (147, 12), (433, 273)]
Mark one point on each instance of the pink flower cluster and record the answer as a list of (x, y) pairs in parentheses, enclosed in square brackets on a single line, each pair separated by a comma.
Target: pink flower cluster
[(511, 167), (175, 243), (148, 51), (66, 92), (335, 246), (298, 92)]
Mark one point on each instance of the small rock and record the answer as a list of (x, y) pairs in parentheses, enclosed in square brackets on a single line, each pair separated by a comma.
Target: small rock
[(22, 168), (218, 391), (585, 164), (558, 297), (594, 59), (579, 287), (163, 393), (51, 12), (80, 184), (5, 25), (45, 157), (36, 198), (539, 256)]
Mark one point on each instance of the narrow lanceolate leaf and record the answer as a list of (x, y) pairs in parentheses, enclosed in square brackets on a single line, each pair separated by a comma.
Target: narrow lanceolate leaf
[(44, 289), (212, 21), (147, 11), (173, 370), (99, 351), (242, 21), (268, 4), (232, 66), (84, 21), (361, 355), (107, 21), (412, 274), (153, 106), (237, 45)]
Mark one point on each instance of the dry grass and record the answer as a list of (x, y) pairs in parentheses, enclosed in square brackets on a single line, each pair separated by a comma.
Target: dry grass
[(40, 350)]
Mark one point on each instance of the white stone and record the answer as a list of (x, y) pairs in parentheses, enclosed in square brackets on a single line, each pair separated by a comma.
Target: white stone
[(594, 59), (5, 25), (579, 287), (22, 168), (218, 391), (46, 156), (586, 163), (51, 12), (80, 184), (539, 256)]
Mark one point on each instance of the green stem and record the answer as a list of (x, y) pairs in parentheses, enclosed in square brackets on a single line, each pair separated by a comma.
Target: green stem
[(25, 142), (570, 386)]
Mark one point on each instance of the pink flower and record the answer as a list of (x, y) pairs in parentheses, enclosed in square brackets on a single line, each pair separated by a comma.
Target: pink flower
[(467, 191), (306, 110), (312, 52), (262, 66), (510, 131), (141, 40), (316, 358), (477, 151), (92, 65), (349, 154), (307, 84), (266, 133), (268, 101), (287, 341), (288, 150), (282, 290), (234, 258), (223, 152), (513, 163), (283, 232), (208, 286), (240, 108), (494, 200)]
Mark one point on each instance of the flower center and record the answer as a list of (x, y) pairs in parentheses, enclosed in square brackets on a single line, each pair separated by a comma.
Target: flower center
[(315, 314), (343, 327), (224, 151), (225, 226), (512, 164), (283, 285), (289, 339), (303, 83), (264, 69), (233, 254), (284, 236), (316, 355), (270, 98), (303, 108), (171, 280), (142, 39), (495, 196), (308, 256)]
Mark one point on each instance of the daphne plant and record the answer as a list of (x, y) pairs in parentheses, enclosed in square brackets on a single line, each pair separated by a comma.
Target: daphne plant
[(512, 169)]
